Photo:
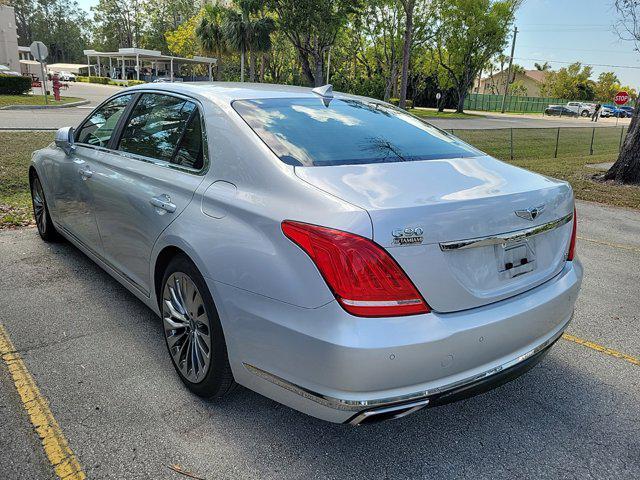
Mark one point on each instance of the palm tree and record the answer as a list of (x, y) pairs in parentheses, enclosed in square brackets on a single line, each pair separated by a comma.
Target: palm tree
[(211, 34), (244, 34), (261, 42), (237, 30)]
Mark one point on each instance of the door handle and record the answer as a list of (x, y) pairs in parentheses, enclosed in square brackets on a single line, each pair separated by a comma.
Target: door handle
[(85, 173), (163, 202)]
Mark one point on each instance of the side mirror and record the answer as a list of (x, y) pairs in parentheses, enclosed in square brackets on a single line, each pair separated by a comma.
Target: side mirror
[(65, 139)]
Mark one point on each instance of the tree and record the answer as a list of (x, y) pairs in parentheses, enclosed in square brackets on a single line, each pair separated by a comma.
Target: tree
[(626, 169), (312, 27), (118, 23), (606, 87), (210, 33), (183, 41), (544, 67), (61, 24), (469, 33), (572, 82), (161, 16), (246, 34), (408, 6), (261, 42)]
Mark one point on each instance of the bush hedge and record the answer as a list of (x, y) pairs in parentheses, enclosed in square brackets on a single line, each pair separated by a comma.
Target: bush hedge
[(14, 85), (108, 81), (396, 102)]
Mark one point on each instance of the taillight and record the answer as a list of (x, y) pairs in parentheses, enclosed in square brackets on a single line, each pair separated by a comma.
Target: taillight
[(572, 244), (364, 278)]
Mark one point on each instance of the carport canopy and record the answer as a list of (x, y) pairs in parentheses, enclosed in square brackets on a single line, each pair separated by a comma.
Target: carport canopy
[(66, 67), (140, 55)]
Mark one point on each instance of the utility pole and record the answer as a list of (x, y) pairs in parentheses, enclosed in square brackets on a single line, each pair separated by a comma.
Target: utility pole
[(506, 84)]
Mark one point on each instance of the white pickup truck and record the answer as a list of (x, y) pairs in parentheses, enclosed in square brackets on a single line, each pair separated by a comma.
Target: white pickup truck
[(582, 109)]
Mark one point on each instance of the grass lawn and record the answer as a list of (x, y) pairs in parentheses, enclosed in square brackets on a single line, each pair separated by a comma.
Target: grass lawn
[(15, 155), (533, 149), (6, 100), (429, 113)]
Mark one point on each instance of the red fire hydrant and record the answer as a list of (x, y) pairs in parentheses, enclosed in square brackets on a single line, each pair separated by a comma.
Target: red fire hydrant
[(56, 88)]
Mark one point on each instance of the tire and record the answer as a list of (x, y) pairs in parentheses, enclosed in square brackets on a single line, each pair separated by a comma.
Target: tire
[(585, 113), (46, 228), (188, 314)]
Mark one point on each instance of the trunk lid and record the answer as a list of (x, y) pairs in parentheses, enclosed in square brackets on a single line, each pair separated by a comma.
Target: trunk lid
[(452, 224)]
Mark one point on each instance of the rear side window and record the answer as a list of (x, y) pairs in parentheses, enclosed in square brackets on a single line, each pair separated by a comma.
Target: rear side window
[(98, 128), (156, 126), (190, 152), (306, 132)]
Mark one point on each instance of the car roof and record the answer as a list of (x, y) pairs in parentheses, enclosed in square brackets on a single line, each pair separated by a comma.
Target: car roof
[(227, 92)]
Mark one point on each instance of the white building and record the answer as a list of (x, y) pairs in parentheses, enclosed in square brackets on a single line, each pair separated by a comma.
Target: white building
[(9, 38)]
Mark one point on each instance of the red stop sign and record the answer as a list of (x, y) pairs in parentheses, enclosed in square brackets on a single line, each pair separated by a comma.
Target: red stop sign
[(621, 98)]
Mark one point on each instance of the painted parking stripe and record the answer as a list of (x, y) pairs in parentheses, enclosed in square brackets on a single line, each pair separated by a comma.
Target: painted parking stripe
[(602, 349), (609, 244), (55, 445)]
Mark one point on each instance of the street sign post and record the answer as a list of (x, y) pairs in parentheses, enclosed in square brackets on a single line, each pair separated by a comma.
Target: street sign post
[(621, 98), (40, 52)]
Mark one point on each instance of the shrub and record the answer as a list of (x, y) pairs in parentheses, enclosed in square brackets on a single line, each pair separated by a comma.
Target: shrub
[(100, 80), (131, 83), (14, 85), (82, 79), (396, 102)]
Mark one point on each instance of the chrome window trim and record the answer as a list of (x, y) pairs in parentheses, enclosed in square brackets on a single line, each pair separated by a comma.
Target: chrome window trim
[(506, 237), (86, 119), (162, 163)]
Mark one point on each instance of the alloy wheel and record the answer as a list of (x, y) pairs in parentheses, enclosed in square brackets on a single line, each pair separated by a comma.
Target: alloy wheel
[(39, 208), (186, 327)]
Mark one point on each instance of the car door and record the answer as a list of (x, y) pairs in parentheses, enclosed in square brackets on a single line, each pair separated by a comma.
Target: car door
[(72, 174), (147, 179)]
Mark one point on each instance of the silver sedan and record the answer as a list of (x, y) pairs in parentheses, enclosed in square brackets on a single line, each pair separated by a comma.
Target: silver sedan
[(331, 252)]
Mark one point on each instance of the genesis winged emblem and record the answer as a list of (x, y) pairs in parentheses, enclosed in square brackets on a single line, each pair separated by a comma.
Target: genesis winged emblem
[(530, 213)]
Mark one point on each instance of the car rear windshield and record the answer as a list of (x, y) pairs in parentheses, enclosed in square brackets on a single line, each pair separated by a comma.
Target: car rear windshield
[(318, 132)]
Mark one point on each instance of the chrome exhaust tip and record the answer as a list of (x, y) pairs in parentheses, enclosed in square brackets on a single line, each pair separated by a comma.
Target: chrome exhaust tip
[(392, 412)]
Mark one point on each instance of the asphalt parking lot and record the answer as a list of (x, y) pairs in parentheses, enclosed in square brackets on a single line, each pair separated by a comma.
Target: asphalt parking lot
[(98, 358)]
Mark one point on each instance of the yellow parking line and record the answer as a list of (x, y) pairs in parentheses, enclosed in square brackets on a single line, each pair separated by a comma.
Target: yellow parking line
[(55, 445), (599, 348), (609, 244)]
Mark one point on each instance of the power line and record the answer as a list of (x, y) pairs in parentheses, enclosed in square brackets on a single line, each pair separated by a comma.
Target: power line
[(567, 24), (587, 50), (582, 63)]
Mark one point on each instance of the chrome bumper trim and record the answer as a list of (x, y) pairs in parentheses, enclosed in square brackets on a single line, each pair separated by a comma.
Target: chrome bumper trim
[(359, 405), (403, 410), (506, 237)]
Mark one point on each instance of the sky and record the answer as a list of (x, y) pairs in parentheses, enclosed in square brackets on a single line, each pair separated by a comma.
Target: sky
[(574, 30), (565, 31)]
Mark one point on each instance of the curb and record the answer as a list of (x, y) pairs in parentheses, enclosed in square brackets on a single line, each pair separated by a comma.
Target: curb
[(45, 107)]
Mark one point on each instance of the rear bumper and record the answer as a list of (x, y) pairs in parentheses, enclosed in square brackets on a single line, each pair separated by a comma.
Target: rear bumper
[(334, 366), (459, 392)]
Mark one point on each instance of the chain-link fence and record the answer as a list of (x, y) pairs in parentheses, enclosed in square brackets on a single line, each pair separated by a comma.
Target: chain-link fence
[(514, 103), (522, 143)]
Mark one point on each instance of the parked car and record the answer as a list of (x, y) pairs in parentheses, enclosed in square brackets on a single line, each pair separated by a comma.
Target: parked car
[(5, 70), (611, 110), (67, 77), (582, 109), (628, 110), (331, 252), (560, 110)]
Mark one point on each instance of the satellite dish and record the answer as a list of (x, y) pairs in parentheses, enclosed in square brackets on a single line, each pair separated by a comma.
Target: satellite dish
[(39, 51)]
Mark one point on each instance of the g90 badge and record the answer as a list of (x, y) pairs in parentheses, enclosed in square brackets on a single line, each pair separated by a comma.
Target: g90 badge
[(408, 236)]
